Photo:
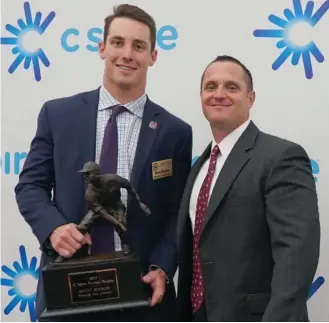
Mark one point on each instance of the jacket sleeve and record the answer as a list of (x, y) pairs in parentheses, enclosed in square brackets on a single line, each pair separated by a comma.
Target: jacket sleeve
[(293, 219), (36, 181)]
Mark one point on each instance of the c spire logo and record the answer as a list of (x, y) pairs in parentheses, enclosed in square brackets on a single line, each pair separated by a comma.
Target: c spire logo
[(294, 35), (21, 279), (22, 49)]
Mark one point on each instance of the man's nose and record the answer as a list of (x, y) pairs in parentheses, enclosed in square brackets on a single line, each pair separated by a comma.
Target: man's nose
[(220, 93), (127, 51)]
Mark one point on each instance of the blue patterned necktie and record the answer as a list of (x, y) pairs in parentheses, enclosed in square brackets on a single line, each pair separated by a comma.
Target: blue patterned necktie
[(103, 232)]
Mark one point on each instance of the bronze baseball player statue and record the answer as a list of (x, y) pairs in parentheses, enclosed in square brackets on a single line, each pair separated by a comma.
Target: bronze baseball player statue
[(104, 201)]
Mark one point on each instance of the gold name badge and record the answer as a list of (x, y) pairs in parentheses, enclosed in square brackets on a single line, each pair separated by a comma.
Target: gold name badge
[(162, 168)]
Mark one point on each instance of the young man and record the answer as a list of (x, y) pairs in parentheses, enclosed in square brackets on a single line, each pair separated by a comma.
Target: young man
[(126, 140), (248, 227)]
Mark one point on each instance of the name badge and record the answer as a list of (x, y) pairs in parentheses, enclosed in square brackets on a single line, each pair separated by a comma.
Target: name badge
[(162, 168)]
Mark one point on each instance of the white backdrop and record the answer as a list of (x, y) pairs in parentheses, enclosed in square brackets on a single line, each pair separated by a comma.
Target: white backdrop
[(288, 104)]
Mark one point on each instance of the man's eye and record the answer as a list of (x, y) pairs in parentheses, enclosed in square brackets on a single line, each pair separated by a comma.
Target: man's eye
[(116, 42), (139, 46)]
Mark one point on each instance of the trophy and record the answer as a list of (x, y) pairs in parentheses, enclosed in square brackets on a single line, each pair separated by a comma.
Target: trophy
[(103, 282)]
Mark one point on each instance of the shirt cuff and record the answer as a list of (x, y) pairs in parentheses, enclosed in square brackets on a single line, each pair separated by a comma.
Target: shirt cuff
[(154, 267)]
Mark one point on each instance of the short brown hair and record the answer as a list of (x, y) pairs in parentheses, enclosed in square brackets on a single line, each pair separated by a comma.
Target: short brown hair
[(135, 13), (227, 58)]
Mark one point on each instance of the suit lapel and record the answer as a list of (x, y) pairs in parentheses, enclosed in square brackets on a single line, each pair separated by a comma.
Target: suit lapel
[(185, 205), (151, 124), (87, 126), (235, 162)]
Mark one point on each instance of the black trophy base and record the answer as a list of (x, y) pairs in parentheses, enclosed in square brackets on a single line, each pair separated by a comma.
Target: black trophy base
[(93, 284)]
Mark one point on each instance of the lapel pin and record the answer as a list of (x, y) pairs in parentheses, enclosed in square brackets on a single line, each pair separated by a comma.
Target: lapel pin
[(153, 124)]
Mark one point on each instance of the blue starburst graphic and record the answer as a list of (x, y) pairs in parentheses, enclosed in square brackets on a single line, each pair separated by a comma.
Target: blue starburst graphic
[(315, 286), (23, 28), (287, 44), (20, 271)]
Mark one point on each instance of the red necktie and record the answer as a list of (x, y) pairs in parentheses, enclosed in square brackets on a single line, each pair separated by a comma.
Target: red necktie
[(197, 293)]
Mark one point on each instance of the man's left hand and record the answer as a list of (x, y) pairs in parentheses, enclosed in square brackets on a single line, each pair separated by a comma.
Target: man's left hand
[(157, 279)]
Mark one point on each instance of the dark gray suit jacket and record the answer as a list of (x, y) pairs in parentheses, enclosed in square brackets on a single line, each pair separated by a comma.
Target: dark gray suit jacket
[(260, 241)]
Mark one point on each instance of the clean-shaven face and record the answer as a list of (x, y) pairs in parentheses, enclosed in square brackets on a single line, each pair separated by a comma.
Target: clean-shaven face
[(127, 53)]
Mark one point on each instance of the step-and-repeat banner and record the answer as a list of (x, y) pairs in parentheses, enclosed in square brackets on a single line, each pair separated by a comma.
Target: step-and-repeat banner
[(49, 49)]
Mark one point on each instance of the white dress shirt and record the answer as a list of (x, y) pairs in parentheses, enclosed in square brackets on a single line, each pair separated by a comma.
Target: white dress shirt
[(225, 147)]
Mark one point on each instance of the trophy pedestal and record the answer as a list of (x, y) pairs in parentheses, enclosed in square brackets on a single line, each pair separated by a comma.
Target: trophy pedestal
[(92, 284)]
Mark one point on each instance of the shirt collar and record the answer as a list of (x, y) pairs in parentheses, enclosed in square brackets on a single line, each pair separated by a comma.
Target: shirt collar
[(106, 101), (227, 144)]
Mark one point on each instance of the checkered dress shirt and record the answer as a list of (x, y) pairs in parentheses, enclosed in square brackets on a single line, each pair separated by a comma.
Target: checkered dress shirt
[(129, 125)]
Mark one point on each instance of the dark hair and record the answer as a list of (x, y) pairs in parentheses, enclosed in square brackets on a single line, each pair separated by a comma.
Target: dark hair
[(226, 58), (135, 13)]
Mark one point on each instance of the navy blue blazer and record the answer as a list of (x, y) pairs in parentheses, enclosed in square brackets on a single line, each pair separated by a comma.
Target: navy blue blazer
[(50, 191)]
